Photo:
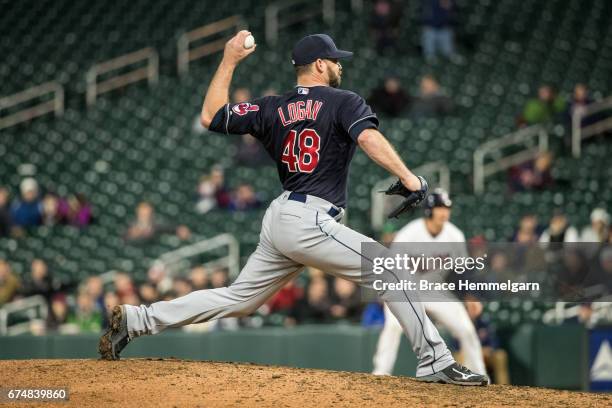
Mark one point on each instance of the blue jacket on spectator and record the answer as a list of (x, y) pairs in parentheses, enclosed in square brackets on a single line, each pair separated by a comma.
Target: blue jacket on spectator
[(436, 15), (373, 315), (26, 214)]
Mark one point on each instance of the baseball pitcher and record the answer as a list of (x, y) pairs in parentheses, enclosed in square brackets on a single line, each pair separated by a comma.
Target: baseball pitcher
[(311, 132)]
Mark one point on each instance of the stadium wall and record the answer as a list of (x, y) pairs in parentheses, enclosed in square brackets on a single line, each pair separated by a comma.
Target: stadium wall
[(537, 353)]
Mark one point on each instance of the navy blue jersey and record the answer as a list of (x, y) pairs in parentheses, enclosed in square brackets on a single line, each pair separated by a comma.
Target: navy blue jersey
[(310, 133)]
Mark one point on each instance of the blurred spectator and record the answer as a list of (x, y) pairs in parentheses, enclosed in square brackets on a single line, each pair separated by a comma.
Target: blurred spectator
[(384, 24), (598, 230), (431, 100), (124, 287), (346, 302), (51, 210), (578, 103), (572, 274), (438, 33), (157, 276), (315, 306), (532, 175), (5, 214), (181, 287), (544, 108), (198, 278), (148, 293), (212, 191), (59, 312), (85, 317), (146, 226), (241, 95), (244, 199), (528, 230), (9, 283), (500, 270), (95, 288), (389, 99), (250, 152), (219, 278), (373, 315), (40, 281), (27, 211), (80, 213), (559, 230), (285, 299)]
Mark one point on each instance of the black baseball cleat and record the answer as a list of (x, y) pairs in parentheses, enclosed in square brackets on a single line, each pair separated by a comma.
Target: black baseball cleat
[(456, 374), (116, 337)]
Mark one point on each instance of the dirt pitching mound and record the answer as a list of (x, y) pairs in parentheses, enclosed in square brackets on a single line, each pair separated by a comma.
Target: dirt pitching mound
[(177, 383)]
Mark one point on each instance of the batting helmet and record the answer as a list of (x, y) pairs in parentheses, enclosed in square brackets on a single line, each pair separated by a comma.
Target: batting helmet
[(437, 198)]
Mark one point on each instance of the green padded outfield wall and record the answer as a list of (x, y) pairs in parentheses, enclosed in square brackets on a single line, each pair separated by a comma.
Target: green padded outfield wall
[(533, 350)]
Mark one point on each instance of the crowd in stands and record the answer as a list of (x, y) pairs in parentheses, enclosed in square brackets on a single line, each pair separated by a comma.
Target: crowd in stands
[(392, 100), (147, 226), (558, 229), (438, 22), (32, 208), (551, 106), (212, 193), (315, 297)]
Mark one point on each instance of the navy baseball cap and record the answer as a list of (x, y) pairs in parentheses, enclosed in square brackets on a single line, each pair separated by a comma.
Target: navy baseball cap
[(314, 46)]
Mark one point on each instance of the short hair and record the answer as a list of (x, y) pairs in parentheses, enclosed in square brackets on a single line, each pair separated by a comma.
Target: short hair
[(303, 69)]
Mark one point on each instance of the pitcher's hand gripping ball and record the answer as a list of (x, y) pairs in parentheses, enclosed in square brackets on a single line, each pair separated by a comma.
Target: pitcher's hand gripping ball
[(412, 198), (249, 42)]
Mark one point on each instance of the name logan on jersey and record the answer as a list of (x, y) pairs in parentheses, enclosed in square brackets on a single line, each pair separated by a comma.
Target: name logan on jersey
[(300, 110)]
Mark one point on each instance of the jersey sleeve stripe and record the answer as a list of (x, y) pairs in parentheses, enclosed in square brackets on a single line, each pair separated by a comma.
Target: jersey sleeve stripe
[(227, 117), (359, 120)]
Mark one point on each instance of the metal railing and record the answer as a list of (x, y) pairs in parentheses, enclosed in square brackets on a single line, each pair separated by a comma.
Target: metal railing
[(150, 72), (185, 55), (56, 105), (602, 312), (175, 260), (524, 136), (579, 133), (437, 174), (274, 23), (28, 306)]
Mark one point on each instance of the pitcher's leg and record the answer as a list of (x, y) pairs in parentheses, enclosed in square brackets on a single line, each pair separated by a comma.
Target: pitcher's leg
[(264, 274), (336, 249), (455, 318), (388, 345)]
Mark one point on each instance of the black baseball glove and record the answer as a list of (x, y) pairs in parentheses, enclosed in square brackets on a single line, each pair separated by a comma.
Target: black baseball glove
[(412, 198)]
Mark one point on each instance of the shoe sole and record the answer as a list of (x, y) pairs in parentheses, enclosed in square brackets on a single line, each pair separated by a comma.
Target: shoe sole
[(434, 378), (105, 346)]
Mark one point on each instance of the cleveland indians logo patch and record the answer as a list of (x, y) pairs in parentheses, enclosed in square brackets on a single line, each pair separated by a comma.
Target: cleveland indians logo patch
[(244, 108)]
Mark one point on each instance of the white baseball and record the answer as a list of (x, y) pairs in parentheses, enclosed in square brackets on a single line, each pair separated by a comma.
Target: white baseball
[(249, 42)]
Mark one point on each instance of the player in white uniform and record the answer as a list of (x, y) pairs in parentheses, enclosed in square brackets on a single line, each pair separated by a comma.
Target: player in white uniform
[(434, 227)]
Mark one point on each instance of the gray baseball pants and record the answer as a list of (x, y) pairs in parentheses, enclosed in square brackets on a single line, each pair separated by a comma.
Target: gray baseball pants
[(293, 235)]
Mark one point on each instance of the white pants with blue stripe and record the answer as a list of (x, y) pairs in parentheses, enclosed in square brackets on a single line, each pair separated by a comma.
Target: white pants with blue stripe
[(293, 235)]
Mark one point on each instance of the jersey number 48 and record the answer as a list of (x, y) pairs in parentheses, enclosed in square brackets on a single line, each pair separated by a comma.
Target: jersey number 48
[(307, 158)]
